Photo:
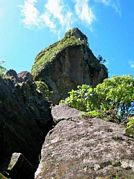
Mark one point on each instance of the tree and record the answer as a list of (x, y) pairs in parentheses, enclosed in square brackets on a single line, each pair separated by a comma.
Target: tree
[(109, 95), (101, 59)]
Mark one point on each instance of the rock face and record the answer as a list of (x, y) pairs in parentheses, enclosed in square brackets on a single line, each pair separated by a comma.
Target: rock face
[(85, 148), (20, 167), (68, 63), (25, 119)]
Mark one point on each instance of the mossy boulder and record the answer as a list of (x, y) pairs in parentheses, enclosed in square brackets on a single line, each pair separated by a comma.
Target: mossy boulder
[(68, 63)]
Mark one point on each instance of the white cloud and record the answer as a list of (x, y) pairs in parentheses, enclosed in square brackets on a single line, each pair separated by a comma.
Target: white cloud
[(113, 3), (55, 8), (117, 7), (131, 63), (57, 14), (84, 11), (2, 13), (30, 13), (46, 20), (105, 2)]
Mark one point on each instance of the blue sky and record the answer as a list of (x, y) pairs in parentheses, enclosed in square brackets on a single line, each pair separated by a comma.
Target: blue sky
[(28, 26)]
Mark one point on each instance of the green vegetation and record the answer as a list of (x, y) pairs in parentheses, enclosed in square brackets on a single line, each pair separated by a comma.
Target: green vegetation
[(49, 53), (116, 177), (83, 98), (112, 92), (93, 114), (105, 98), (2, 176), (130, 127), (43, 88), (2, 69)]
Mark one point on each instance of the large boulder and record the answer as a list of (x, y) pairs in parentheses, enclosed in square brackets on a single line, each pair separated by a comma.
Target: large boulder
[(25, 119), (85, 148), (68, 63)]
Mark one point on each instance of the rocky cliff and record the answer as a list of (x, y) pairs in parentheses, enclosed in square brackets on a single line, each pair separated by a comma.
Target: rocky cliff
[(25, 119), (43, 142), (68, 63)]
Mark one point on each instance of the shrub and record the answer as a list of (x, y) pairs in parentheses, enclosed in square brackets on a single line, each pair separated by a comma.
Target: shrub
[(130, 127), (107, 96), (115, 91), (83, 98), (43, 88)]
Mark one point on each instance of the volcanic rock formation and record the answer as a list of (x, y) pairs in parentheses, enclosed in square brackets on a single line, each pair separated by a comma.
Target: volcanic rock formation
[(25, 119), (68, 63)]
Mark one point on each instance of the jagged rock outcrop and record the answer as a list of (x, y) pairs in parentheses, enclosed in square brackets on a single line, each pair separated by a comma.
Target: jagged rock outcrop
[(85, 148), (68, 63), (25, 119)]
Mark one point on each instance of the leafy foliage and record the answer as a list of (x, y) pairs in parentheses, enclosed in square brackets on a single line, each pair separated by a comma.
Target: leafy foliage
[(83, 98), (43, 88), (118, 89), (104, 97), (130, 127), (2, 69)]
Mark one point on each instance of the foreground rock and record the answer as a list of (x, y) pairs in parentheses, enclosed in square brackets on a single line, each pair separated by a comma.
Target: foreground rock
[(25, 119), (86, 148), (20, 167), (64, 112), (2, 176), (68, 63)]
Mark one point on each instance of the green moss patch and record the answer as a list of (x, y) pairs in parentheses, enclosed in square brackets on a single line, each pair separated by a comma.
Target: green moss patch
[(47, 55), (130, 127)]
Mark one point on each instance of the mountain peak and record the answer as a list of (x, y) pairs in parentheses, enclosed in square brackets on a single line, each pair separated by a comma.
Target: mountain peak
[(76, 32)]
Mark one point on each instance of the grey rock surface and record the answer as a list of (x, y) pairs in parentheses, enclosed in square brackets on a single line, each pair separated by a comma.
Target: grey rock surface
[(25, 119), (64, 112), (86, 148)]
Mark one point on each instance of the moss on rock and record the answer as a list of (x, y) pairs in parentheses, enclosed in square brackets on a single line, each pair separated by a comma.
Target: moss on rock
[(47, 55), (43, 88)]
